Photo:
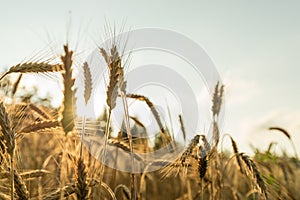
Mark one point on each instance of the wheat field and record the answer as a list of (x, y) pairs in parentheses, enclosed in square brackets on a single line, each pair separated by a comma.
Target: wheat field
[(42, 155)]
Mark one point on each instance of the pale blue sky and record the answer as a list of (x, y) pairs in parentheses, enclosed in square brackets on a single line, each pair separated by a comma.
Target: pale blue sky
[(255, 46)]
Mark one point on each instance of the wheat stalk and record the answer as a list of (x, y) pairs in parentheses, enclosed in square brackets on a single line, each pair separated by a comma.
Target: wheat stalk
[(116, 82)]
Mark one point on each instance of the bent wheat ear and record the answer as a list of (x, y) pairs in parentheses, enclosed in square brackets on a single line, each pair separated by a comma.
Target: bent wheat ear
[(255, 173), (33, 67), (138, 122), (39, 111), (155, 113), (282, 131), (38, 126), (94, 182), (290, 138), (125, 190), (34, 174), (237, 155), (67, 191)]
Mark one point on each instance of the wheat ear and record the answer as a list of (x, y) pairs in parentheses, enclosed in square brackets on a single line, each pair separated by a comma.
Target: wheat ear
[(16, 85), (289, 137), (155, 113), (256, 174), (116, 73), (39, 126), (87, 82), (33, 67), (7, 131), (9, 138), (182, 128), (20, 187), (82, 187), (67, 109), (237, 154), (188, 151), (40, 111)]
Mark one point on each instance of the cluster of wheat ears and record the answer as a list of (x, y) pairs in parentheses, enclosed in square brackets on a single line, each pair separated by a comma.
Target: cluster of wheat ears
[(42, 156)]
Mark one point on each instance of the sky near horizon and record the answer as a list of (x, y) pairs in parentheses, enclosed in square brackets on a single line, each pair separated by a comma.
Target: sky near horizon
[(254, 45)]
